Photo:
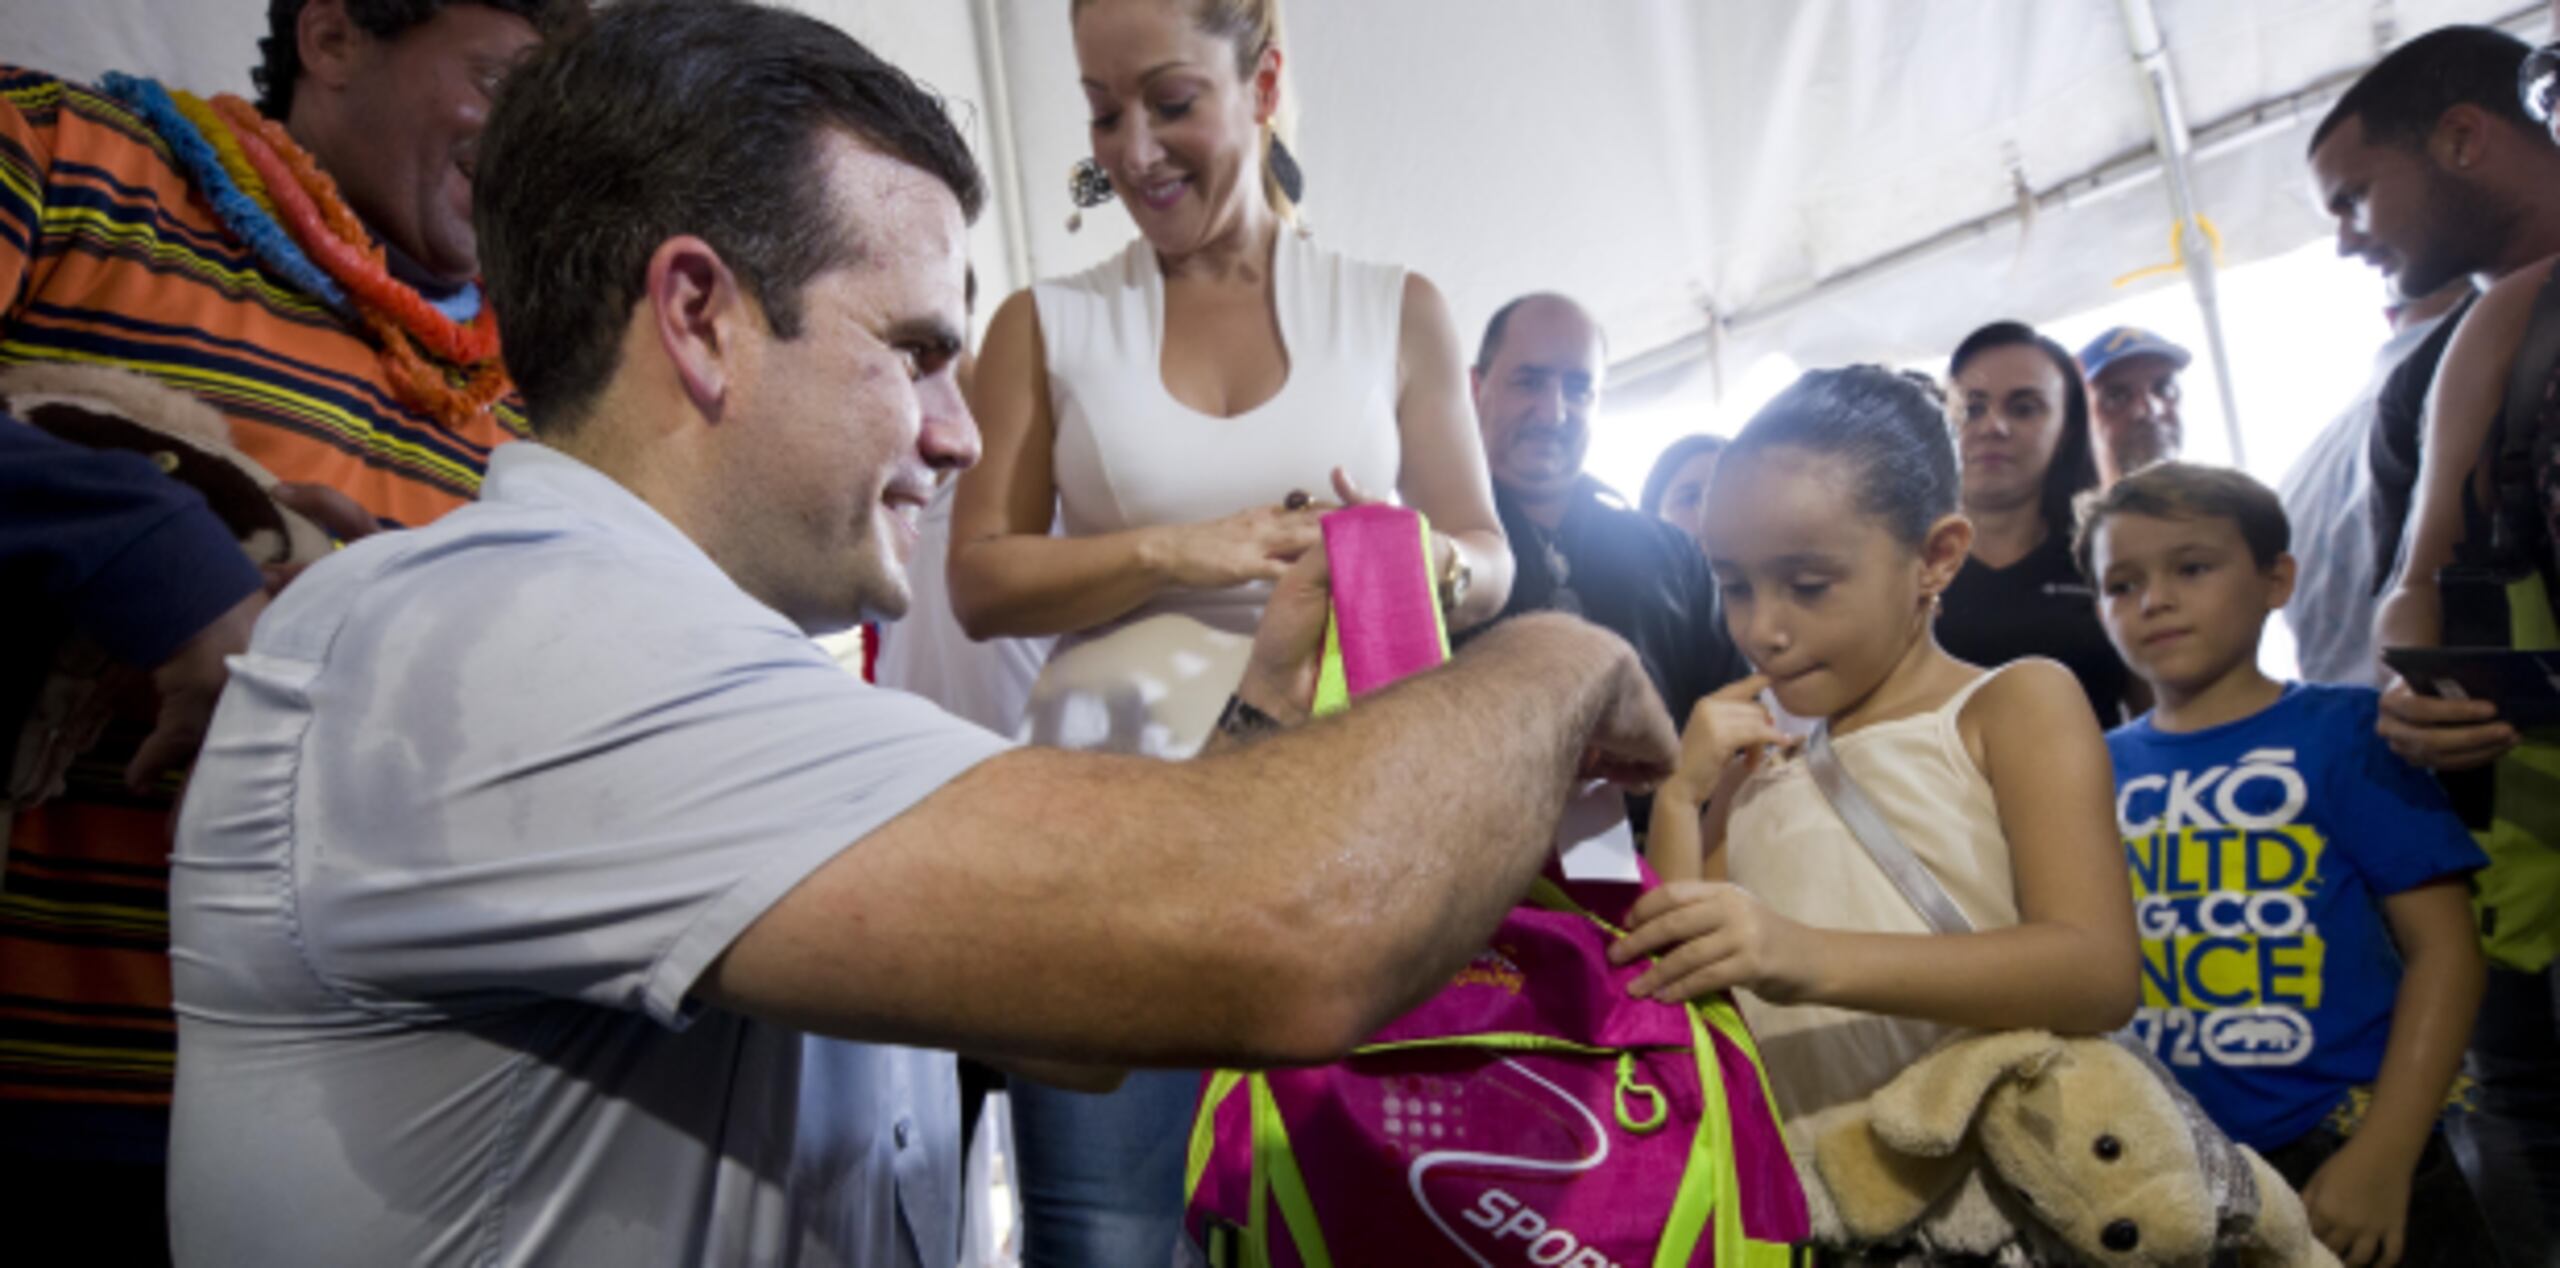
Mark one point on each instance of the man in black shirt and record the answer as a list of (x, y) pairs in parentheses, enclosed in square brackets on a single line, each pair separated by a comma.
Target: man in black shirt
[(2433, 170), (1579, 546)]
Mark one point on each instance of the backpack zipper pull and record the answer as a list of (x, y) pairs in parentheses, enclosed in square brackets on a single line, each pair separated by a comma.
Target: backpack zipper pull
[(1627, 1083)]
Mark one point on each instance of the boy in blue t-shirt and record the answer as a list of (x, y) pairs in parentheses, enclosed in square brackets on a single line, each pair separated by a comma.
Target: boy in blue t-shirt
[(2310, 969)]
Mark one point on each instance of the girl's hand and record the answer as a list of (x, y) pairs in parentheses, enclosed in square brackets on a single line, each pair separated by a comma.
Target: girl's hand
[(1728, 724), (1720, 937), (2358, 1202)]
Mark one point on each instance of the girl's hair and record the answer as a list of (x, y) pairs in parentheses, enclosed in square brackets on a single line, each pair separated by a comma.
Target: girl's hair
[(1883, 425), (1250, 26), (2074, 469), (1657, 483)]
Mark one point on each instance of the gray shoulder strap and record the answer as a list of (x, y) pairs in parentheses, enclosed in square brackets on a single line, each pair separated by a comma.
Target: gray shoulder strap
[(1866, 823)]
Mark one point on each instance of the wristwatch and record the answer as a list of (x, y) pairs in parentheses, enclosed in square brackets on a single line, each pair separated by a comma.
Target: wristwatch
[(1241, 721), (1454, 579)]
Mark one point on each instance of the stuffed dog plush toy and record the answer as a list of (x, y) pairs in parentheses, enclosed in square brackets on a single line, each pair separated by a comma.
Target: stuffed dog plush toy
[(2060, 1150), (97, 407)]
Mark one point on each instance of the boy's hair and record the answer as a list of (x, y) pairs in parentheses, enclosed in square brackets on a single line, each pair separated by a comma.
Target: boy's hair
[(2187, 490), (1889, 428)]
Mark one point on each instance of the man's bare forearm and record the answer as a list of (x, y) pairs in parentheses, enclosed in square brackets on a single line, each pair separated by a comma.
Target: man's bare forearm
[(1273, 904), (1422, 814)]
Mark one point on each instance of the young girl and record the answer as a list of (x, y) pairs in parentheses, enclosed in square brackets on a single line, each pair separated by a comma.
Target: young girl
[(1833, 529)]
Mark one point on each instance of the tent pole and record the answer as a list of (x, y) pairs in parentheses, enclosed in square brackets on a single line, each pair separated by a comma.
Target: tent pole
[(2169, 134), (989, 37)]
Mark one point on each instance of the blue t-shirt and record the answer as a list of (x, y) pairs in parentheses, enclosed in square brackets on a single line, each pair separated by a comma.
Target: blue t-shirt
[(2261, 851)]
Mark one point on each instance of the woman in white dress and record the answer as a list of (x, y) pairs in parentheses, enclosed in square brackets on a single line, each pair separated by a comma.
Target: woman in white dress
[(1166, 406)]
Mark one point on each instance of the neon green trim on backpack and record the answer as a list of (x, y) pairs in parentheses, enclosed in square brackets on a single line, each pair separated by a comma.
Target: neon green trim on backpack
[(1506, 1040), (1711, 1185), (1704, 1181), (1204, 1130), (1712, 1180), (1288, 1188), (1653, 1095)]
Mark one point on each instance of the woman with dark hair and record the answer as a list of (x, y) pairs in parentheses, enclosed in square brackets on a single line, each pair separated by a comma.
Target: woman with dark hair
[(2021, 420), (1676, 489)]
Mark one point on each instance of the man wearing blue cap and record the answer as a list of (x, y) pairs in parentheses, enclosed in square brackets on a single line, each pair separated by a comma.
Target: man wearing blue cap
[(2133, 400)]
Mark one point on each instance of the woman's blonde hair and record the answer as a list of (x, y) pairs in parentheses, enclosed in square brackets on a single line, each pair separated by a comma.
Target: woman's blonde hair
[(1251, 26)]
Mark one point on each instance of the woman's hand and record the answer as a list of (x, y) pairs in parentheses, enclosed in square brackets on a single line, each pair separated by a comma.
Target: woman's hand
[(1256, 544), (1714, 936)]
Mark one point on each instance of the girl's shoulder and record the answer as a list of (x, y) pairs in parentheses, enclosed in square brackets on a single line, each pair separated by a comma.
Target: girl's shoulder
[(2027, 701)]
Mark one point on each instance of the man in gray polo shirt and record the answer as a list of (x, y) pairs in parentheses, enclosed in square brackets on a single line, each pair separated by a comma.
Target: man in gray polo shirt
[(528, 847)]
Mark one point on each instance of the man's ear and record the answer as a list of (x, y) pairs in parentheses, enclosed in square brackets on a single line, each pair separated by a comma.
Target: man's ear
[(2461, 138), (327, 40), (701, 316), (1943, 552)]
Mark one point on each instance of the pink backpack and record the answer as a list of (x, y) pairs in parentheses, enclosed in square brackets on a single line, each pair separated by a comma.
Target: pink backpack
[(1530, 1113)]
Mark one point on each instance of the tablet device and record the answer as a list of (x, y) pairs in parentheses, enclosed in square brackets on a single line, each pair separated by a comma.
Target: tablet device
[(2524, 685)]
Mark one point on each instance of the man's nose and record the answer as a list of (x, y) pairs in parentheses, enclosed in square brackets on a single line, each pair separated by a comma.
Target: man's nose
[(947, 438)]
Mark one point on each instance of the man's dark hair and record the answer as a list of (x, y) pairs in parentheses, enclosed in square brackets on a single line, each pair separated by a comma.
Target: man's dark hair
[(2401, 99), (1501, 320), (671, 117), (2074, 469), (280, 53), (2188, 491), (1883, 426)]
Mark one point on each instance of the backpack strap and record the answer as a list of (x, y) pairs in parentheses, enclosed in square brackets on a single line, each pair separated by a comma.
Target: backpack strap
[(2518, 517), (1904, 868)]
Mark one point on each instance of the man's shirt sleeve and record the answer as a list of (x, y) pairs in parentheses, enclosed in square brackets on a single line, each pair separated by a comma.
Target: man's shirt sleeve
[(585, 783)]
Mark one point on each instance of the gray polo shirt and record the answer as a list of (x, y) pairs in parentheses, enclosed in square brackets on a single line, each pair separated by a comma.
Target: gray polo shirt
[(482, 803)]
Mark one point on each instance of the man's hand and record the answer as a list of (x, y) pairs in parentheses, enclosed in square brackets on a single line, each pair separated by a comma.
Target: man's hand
[(1633, 743), (189, 683), (1288, 647), (2442, 734), (338, 515)]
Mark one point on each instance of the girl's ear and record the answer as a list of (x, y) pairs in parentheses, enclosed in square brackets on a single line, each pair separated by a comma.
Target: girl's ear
[(1943, 551)]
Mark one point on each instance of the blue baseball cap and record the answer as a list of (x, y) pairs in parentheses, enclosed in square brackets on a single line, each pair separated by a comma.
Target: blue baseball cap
[(2129, 341)]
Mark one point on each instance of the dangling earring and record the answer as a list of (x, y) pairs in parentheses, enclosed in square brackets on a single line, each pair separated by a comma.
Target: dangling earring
[(1087, 186), (1284, 170), (1286, 174)]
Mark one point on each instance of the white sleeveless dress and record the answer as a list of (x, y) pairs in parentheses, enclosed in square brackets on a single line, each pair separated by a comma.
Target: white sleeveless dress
[(1128, 455), (1787, 846)]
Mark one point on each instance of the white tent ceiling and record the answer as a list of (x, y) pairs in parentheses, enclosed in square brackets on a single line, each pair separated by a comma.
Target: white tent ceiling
[(1835, 178)]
